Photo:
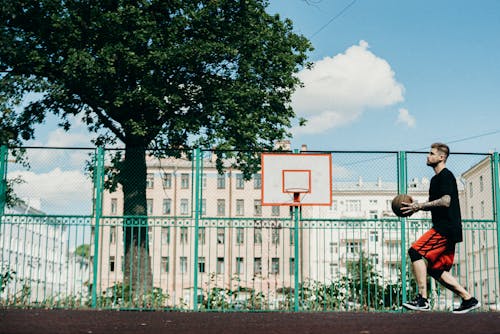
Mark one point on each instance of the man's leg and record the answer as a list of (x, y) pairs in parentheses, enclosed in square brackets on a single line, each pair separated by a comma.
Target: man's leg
[(451, 283), (420, 272)]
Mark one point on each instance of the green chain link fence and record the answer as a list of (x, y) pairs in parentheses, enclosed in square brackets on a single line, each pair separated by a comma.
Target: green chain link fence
[(211, 246)]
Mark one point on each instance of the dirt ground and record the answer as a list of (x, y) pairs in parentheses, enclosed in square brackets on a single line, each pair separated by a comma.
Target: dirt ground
[(13, 321)]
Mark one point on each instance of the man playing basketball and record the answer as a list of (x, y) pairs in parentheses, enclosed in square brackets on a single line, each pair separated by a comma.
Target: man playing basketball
[(434, 251)]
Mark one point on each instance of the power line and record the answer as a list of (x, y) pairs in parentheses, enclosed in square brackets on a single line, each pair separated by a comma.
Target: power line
[(334, 17)]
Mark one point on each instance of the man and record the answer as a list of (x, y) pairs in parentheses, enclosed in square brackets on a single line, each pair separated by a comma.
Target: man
[(434, 251)]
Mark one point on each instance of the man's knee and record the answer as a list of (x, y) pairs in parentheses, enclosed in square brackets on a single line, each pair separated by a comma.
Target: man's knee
[(435, 273), (414, 255)]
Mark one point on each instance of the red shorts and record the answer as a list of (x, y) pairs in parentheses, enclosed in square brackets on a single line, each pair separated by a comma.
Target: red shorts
[(436, 250)]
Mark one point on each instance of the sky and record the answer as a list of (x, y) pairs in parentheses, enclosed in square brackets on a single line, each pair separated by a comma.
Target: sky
[(386, 76), (398, 75)]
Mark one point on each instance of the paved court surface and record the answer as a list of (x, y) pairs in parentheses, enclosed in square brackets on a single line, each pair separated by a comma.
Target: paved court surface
[(125, 322)]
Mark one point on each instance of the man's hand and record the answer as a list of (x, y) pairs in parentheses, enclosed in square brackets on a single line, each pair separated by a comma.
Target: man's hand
[(410, 208)]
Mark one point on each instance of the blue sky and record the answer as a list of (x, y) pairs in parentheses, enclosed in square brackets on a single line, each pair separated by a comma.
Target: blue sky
[(400, 74), (388, 75)]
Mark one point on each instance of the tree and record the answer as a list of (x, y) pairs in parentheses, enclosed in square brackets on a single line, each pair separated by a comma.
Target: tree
[(153, 74)]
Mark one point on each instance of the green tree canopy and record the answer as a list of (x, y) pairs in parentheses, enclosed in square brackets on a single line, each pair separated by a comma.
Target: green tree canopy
[(151, 74)]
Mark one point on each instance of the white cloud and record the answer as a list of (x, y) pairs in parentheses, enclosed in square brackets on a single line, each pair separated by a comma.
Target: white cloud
[(60, 192), (405, 117), (337, 90)]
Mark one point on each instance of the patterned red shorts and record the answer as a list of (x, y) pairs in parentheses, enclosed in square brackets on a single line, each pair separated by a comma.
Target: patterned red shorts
[(435, 249)]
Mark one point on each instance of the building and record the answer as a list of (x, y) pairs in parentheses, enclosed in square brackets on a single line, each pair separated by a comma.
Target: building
[(33, 247)]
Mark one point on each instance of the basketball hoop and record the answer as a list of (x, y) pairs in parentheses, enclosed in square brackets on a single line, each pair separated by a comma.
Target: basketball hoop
[(296, 193)]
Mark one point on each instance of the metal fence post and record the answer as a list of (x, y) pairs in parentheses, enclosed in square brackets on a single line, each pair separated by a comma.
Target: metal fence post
[(98, 191), (197, 210), (496, 199), (3, 175), (296, 253), (402, 189)]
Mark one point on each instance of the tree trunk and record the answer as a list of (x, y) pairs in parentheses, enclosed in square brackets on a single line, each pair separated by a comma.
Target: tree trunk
[(137, 276)]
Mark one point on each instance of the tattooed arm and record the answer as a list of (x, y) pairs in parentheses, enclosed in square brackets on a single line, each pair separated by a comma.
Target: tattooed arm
[(426, 206)]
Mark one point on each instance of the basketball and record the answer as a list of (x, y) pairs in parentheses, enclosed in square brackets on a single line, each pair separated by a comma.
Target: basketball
[(396, 204)]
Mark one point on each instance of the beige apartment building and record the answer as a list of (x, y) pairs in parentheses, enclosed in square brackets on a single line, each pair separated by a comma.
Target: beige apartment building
[(241, 244), (479, 263)]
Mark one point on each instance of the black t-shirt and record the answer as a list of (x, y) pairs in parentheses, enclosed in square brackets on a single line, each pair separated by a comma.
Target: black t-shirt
[(447, 221)]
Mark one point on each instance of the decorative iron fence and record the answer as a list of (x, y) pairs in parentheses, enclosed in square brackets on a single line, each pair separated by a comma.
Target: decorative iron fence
[(209, 244)]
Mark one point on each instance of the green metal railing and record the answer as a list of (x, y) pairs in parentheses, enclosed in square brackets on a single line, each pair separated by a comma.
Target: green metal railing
[(206, 254)]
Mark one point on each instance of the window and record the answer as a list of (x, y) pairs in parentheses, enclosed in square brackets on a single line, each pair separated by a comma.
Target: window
[(257, 235), (204, 180), (165, 235), (220, 265), (111, 263), (292, 266), (472, 212), (334, 248), (373, 236), (240, 235), (221, 181), (275, 265), (164, 264), (201, 235), (112, 234), (353, 247), (257, 207), (275, 211), (482, 209), (149, 204), (184, 265), (167, 180), (373, 202), (333, 268), (184, 235), (374, 259), (240, 207), (257, 181), (184, 181), (481, 183), (201, 264), (257, 265), (275, 236), (240, 183), (353, 205), (471, 192), (167, 206), (335, 205), (221, 207), (203, 206), (114, 206), (220, 235), (150, 180), (292, 236), (373, 214), (184, 206), (239, 266)]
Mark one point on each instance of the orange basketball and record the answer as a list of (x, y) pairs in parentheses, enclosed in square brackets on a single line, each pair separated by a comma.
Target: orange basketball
[(396, 204)]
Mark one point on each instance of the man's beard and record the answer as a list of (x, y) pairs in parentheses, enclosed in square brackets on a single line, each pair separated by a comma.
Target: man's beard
[(432, 164)]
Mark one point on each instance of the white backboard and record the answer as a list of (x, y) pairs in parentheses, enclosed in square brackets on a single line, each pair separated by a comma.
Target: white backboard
[(296, 179)]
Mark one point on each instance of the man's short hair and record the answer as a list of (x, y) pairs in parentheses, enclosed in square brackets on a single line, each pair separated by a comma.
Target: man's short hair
[(443, 148)]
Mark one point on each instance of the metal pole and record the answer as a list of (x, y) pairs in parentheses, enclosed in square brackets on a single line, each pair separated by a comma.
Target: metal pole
[(296, 255), (98, 188), (3, 181), (402, 189), (496, 198), (197, 211), (296, 252)]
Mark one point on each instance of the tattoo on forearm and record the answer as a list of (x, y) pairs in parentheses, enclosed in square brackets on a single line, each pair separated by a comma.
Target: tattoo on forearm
[(440, 202)]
